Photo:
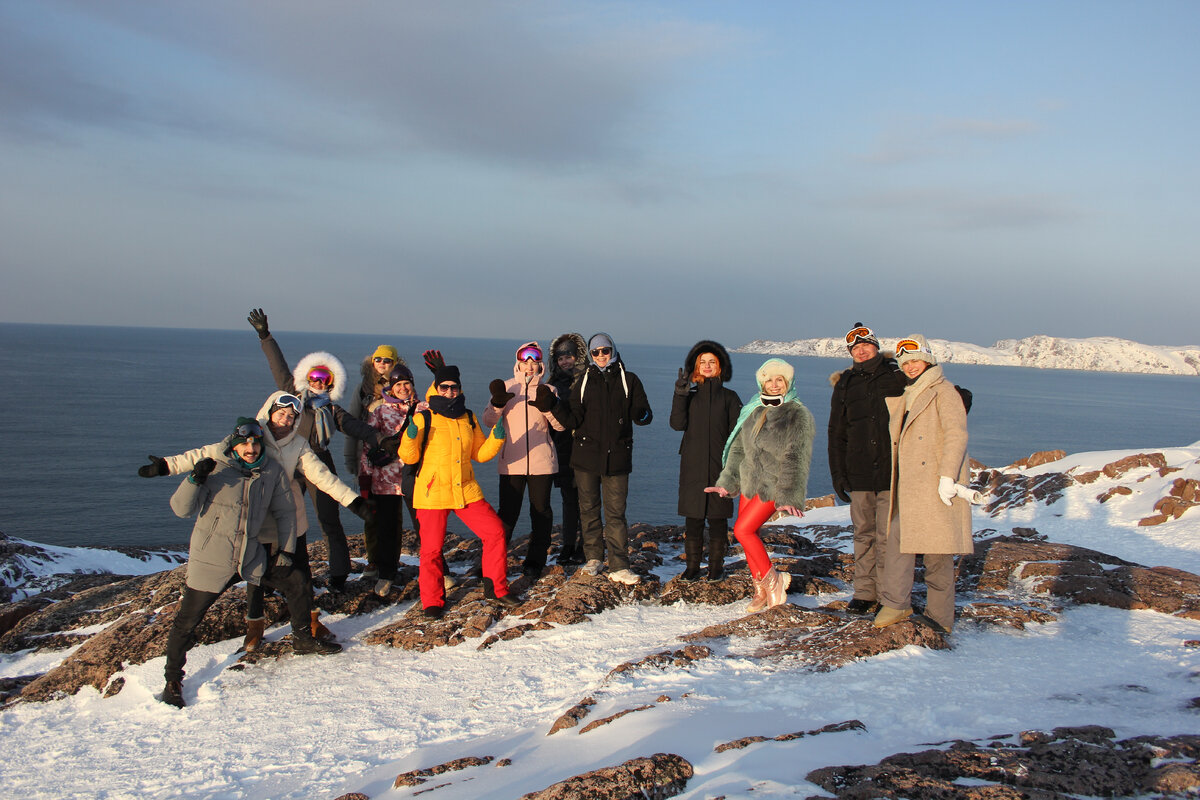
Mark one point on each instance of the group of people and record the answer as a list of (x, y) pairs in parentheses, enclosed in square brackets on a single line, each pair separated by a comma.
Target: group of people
[(571, 428)]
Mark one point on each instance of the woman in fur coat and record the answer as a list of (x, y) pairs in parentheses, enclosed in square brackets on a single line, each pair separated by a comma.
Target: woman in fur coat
[(928, 515), (705, 409), (766, 463)]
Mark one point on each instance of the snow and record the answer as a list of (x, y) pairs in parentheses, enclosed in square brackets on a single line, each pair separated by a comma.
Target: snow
[(1096, 354), (317, 727)]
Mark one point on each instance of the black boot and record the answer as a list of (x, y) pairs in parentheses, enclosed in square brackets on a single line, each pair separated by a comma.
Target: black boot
[(718, 544), (173, 694), (304, 644), (693, 552)]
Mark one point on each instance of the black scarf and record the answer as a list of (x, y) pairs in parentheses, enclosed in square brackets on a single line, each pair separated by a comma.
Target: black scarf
[(445, 407)]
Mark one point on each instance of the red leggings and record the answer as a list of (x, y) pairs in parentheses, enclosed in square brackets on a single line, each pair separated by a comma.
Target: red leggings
[(484, 523), (752, 513)]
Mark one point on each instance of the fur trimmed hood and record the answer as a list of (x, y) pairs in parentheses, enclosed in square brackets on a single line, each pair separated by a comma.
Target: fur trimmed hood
[(581, 355), (331, 363), (709, 346)]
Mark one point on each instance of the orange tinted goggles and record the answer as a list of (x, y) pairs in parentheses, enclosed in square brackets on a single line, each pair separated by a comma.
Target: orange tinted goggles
[(862, 333), (909, 346)]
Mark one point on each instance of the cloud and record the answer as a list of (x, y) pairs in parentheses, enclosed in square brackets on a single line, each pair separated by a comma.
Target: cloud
[(942, 138), (549, 82), (960, 210)]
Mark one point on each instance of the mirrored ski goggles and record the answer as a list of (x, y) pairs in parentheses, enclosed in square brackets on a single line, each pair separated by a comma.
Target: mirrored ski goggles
[(601, 351), (531, 352), (320, 375), (910, 346), (288, 401), (249, 430), (860, 334)]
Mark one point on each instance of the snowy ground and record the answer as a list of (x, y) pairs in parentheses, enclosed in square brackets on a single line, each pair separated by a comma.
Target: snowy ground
[(318, 727)]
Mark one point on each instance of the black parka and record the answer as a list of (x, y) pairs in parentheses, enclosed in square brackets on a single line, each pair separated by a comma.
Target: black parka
[(706, 413), (603, 408), (860, 449)]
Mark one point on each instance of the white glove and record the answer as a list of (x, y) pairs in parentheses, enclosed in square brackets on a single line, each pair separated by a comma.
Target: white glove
[(946, 489), (970, 495)]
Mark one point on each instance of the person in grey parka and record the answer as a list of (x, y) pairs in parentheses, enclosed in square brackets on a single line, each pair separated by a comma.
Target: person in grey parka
[(232, 495)]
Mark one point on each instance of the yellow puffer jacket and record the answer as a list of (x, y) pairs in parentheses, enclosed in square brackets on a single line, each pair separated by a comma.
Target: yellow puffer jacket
[(446, 479)]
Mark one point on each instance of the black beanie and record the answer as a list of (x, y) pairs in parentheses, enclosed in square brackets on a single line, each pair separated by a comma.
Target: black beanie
[(445, 374)]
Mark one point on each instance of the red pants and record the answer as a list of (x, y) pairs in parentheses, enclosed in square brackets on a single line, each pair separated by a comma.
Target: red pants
[(484, 523), (752, 513)]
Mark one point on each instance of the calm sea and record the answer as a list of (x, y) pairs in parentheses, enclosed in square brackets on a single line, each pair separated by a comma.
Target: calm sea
[(91, 402)]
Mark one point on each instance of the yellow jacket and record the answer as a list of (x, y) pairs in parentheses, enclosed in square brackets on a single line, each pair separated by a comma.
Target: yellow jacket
[(446, 479)]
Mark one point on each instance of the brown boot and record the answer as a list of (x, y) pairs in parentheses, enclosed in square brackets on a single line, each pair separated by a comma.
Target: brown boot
[(319, 631), (254, 634)]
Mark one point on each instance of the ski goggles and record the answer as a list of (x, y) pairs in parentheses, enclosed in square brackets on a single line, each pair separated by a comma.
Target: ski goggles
[(861, 334), (287, 401), (910, 346), (531, 352), (320, 375), (249, 430), (601, 351)]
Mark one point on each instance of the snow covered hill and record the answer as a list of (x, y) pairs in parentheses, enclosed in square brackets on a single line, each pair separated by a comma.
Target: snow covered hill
[(1098, 354), (751, 718)]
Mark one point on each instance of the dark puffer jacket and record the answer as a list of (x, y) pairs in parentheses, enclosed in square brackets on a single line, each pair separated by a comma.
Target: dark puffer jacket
[(562, 381), (706, 414), (603, 408), (860, 449)]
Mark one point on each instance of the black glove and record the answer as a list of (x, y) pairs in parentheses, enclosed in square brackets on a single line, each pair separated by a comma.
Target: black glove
[(361, 508), (202, 470), (258, 321), (384, 453), (841, 487), (500, 397), (157, 466), (645, 418), (682, 382), (434, 360), (544, 399)]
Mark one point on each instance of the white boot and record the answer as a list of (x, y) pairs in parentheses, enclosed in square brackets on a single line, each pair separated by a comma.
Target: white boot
[(776, 587), (759, 602)]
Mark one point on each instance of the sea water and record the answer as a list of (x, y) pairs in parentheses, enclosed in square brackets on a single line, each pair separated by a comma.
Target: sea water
[(88, 404)]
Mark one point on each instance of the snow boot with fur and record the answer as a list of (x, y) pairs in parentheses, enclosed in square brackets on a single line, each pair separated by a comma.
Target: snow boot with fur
[(254, 634), (717, 545), (318, 629)]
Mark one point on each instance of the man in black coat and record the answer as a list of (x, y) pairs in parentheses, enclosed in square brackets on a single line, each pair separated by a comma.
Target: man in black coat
[(860, 455), (606, 401)]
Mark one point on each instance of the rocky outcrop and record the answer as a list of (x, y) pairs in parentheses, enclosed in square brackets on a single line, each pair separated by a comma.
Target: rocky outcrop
[(661, 775), (1057, 765), (418, 776), (833, 727)]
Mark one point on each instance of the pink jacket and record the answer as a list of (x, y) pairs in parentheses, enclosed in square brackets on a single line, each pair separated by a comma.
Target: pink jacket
[(528, 448)]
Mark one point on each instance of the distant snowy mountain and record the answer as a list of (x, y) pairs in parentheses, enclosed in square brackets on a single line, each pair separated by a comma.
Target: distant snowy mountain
[(1098, 354)]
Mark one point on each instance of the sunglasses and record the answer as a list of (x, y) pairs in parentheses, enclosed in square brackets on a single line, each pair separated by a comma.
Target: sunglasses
[(909, 346), (527, 353), (602, 351), (382, 360), (289, 401), (449, 387), (250, 430), (320, 375), (859, 334)]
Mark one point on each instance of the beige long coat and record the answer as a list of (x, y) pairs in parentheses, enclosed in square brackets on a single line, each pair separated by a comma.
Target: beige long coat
[(932, 443)]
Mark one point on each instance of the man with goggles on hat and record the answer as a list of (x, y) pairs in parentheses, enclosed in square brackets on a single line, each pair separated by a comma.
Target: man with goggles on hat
[(860, 453), (319, 380), (233, 493)]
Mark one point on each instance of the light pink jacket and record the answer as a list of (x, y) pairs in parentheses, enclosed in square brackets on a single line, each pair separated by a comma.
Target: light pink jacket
[(528, 448)]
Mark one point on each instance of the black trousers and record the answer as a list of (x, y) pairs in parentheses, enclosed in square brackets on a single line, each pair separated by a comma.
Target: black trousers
[(196, 603), (541, 515), (328, 517), (609, 531), (570, 507)]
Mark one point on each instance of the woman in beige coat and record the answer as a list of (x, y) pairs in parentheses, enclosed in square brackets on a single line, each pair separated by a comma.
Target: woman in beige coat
[(928, 425)]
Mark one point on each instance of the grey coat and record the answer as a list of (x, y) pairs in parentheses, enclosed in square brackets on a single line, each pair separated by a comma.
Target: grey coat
[(772, 464), (232, 506)]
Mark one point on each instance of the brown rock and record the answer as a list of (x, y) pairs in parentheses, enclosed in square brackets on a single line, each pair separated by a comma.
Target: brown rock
[(1039, 458), (1156, 519), (826, 501), (419, 776), (1069, 762), (1117, 468), (573, 716), (1106, 495), (833, 727), (605, 720), (661, 775)]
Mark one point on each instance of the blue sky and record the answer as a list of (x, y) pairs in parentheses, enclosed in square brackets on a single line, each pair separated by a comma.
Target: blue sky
[(664, 171)]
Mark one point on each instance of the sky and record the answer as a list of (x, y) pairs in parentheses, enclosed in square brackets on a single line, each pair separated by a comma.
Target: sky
[(666, 171)]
